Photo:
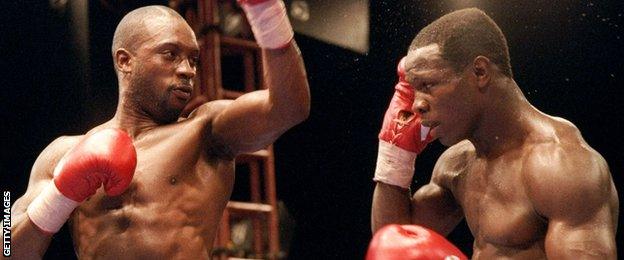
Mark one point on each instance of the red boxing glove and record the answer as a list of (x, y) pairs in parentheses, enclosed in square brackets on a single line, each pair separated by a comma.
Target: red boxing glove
[(401, 126), (402, 137), (106, 157), (269, 22), (411, 242)]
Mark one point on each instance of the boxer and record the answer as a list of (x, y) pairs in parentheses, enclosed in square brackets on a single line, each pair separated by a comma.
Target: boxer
[(527, 183), (171, 205)]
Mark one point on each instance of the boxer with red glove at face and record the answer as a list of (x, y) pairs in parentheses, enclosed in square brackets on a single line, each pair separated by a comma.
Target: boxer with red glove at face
[(505, 157), (402, 137), (106, 157), (411, 242)]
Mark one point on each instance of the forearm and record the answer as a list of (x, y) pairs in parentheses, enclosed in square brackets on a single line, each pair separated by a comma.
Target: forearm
[(27, 241), (285, 78), (401, 139), (391, 205)]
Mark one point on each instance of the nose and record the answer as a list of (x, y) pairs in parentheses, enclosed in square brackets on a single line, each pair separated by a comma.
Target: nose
[(420, 105), (186, 69)]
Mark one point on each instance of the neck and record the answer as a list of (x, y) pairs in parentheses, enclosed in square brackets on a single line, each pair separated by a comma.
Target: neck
[(505, 122), (130, 117)]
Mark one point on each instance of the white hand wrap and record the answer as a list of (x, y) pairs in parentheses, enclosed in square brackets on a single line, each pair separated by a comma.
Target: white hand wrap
[(51, 209), (395, 166), (269, 24)]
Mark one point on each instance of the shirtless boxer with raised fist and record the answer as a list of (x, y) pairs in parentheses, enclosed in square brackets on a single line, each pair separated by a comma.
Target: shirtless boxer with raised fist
[(171, 207)]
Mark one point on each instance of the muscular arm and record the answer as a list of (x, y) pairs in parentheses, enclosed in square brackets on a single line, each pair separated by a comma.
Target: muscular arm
[(256, 119), (28, 242), (572, 188), (433, 205)]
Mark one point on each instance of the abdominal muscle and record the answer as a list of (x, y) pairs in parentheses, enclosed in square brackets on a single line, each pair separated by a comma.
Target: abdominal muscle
[(167, 221)]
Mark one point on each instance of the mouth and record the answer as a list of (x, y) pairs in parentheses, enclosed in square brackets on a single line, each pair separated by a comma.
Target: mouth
[(183, 91), (430, 124), (428, 129)]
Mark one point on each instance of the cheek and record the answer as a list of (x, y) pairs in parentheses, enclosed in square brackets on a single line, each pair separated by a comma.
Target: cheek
[(157, 77), (155, 68), (451, 107), (455, 113)]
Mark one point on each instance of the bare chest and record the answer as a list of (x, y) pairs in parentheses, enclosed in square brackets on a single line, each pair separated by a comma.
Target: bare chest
[(496, 206), (174, 202), (172, 171)]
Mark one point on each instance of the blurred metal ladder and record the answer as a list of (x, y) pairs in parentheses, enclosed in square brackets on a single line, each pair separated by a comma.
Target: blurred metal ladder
[(203, 16)]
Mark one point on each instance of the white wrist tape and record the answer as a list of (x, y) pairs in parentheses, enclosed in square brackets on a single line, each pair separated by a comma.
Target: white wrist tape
[(395, 166), (269, 23), (51, 209)]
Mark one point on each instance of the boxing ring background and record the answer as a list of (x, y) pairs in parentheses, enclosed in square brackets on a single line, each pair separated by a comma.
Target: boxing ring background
[(566, 57)]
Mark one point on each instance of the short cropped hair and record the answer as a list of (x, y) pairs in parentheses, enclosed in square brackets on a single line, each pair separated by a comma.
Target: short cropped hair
[(463, 35), (131, 25)]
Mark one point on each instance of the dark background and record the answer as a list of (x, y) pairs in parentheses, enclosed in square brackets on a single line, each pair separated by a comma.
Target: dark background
[(566, 57)]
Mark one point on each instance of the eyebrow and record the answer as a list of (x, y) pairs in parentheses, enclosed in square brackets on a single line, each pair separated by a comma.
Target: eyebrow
[(177, 45), (419, 74)]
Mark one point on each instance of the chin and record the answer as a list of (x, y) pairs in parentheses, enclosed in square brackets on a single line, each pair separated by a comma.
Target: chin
[(448, 142), (166, 121), (445, 142), (169, 116)]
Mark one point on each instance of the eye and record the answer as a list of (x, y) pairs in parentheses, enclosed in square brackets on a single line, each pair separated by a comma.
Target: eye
[(194, 60), (170, 55), (428, 85)]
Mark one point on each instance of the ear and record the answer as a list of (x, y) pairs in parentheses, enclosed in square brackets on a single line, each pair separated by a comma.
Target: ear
[(123, 60), (482, 71)]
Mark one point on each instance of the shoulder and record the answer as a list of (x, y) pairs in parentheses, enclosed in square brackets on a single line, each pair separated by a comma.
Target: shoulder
[(565, 174), (210, 110), (53, 153), (455, 155), (453, 163), (57, 148), (43, 168), (562, 157)]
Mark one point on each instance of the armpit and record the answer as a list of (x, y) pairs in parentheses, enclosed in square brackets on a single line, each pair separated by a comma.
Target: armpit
[(218, 149), (215, 147)]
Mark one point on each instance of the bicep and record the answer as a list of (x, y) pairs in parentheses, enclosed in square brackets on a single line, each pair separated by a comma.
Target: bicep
[(591, 239), (581, 221), (248, 123), (435, 207), (42, 172), (574, 191)]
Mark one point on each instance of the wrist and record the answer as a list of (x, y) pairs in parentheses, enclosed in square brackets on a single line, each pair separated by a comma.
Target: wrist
[(269, 23), (395, 166), (51, 209)]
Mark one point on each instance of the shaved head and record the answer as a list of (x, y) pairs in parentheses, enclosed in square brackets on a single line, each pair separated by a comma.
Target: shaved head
[(131, 29), (154, 54)]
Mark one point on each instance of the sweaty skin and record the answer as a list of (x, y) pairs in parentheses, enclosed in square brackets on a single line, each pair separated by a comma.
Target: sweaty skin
[(185, 168), (527, 183)]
